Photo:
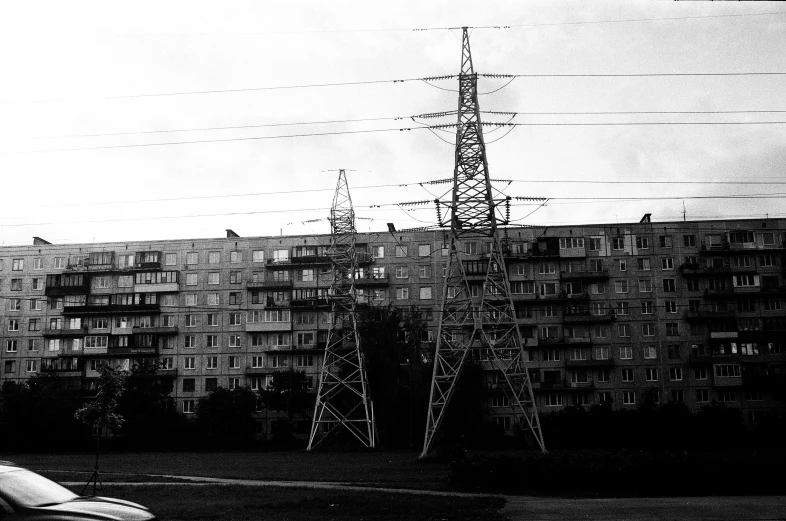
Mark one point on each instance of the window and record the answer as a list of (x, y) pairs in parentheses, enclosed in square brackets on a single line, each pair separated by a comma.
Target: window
[(53, 344), (670, 306), (15, 304), (213, 277), (669, 285), (212, 319), (38, 263), (211, 362), (667, 263), (627, 375), (401, 250), (623, 264), (211, 340), (672, 329), (235, 257), (650, 352), (626, 352), (645, 286), (623, 330), (665, 241), (689, 241), (192, 258), (125, 281), (424, 250), (213, 257), (545, 268), (17, 264), (692, 284), (571, 242), (604, 376), (424, 272), (675, 374), (13, 324), (36, 304), (11, 346), (189, 341), (191, 279), (471, 248), (644, 264), (213, 299), (16, 284), (595, 243), (554, 400), (31, 366), (678, 396), (727, 370), (642, 243), (648, 329), (702, 395), (739, 280), (402, 293), (628, 398), (621, 286), (548, 288), (425, 293), (618, 243), (622, 308), (602, 353), (234, 341), (727, 396), (598, 288), (651, 375), (235, 319), (234, 298), (673, 351), (646, 308), (304, 360)]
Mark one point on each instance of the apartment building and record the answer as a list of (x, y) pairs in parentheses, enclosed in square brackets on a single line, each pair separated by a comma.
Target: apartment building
[(687, 312)]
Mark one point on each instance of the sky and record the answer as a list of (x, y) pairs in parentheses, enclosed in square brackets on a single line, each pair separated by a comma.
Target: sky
[(114, 116)]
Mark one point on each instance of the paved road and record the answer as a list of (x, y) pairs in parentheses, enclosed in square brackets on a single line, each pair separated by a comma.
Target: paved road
[(742, 508)]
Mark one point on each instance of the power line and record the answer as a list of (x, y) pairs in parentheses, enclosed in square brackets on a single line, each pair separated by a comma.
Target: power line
[(205, 129), (588, 22), (202, 141), (631, 75), (225, 91)]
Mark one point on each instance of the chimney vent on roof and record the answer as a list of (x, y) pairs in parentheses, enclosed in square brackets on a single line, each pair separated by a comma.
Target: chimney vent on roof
[(38, 241), (646, 218), (230, 234)]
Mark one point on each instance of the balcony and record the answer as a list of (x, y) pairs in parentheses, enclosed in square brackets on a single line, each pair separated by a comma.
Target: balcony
[(373, 280), (147, 260), (703, 315), (315, 302), (60, 332), (60, 285), (132, 351), (103, 309), (311, 260), (269, 284), (155, 330), (253, 371), (259, 327), (167, 287), (589, 363), (569, 276), (588, 318)]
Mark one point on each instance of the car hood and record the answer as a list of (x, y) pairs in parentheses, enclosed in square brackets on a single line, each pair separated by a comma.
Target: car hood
[(100, 508)]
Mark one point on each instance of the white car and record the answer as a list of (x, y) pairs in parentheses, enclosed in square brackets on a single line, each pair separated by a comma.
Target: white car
[(25, 495)]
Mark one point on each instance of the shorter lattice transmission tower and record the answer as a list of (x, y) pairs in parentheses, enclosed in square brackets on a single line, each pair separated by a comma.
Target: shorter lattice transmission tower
[(343, 397), (481, 327)]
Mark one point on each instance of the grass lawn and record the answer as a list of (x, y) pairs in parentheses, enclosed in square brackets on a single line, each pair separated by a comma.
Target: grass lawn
[(385, 469), (240, 503)]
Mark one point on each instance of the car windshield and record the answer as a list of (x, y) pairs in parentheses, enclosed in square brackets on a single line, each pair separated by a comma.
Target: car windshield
[(28, 489)]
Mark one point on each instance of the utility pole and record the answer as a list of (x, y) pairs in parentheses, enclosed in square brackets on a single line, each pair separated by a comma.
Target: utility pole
[(343, 399), (483, 327)]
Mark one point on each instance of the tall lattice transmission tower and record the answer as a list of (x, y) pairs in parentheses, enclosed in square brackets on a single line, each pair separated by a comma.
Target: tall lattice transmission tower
[(343, 397), (482, 327)]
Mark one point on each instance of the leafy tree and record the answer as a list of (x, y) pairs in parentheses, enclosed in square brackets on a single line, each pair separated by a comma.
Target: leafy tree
[(419, 373), (99, 413), (227, 415), (37, 411), (148, 408), (289, 393)]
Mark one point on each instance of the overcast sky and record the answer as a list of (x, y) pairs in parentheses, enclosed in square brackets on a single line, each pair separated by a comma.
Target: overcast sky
[(87, 86)]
